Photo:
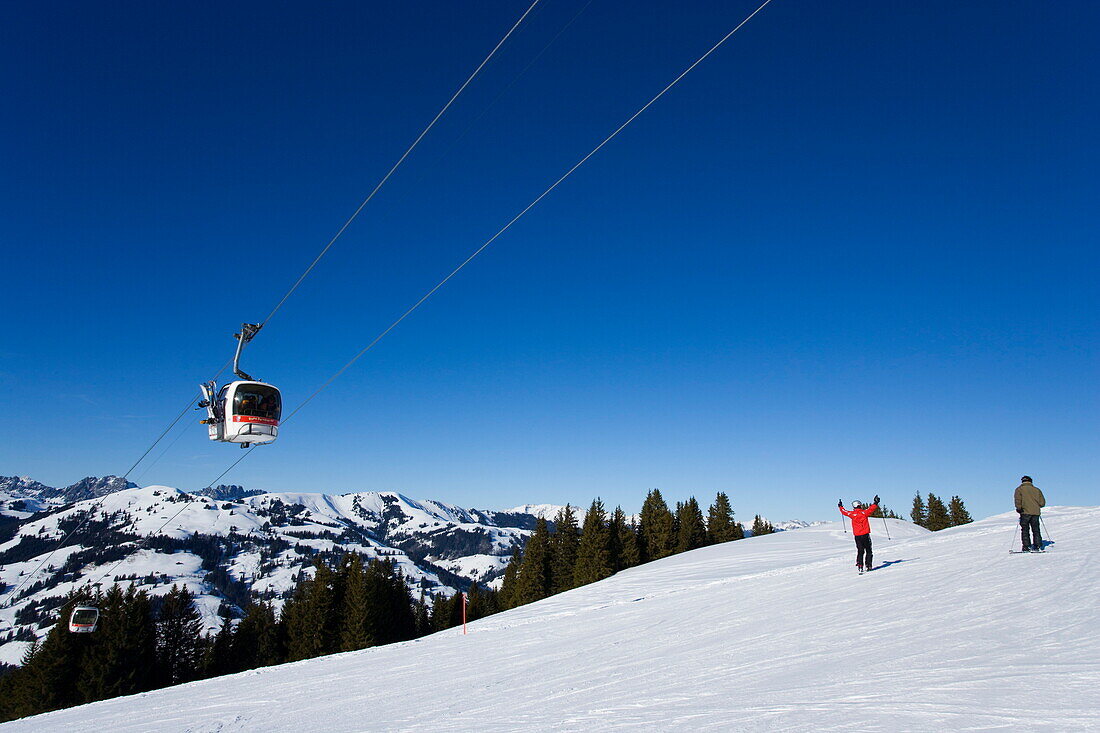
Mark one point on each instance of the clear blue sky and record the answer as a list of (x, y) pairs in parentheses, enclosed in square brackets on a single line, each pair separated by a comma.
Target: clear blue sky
[(855, 251)]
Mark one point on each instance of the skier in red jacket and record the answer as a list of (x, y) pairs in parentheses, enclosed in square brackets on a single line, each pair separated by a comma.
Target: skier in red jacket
[(861, 530)]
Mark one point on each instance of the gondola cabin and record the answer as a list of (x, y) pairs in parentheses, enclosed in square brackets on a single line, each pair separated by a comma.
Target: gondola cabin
[(84, 619), (244, 412)]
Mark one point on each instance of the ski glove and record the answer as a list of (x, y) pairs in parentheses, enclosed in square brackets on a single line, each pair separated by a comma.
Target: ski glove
[(840, 503), (876, 498)]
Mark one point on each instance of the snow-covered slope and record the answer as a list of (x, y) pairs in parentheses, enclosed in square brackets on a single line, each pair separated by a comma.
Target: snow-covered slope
[(770, 633), (225, 551)]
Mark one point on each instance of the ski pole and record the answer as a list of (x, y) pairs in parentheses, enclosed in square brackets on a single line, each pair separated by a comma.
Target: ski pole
[(887, 527), (1045, 532), (843, 526)]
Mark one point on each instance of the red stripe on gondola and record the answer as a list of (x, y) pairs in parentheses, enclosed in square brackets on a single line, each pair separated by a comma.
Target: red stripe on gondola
[(260, 420)]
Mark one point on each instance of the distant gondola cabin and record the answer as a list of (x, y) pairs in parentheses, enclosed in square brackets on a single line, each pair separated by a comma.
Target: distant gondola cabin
[(84, 620)]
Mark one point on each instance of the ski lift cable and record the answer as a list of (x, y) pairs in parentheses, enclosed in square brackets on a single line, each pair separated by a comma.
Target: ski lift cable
[(91, 512), (167, 448), (356, 213), (524, 211), (505, 228), (397, 165), (158, 530), (299, 281)]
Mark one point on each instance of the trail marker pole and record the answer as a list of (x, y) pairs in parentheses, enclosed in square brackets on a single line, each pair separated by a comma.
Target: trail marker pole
[(465, 600)]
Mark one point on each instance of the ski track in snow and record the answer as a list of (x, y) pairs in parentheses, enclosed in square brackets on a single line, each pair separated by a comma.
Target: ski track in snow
[(771, 633)]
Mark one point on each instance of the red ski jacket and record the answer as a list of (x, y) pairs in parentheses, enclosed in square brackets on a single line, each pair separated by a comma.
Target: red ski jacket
[(860, 525)]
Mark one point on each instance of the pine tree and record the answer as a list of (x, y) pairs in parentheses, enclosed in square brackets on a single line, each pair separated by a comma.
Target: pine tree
[(593, 556), (617, 529), (447, 612), (441, 612), (179, 640), (882, 511), (490, 601), (509, 584), (309, 616), (219, 652), (631, 551), (676, 526), (919, 514), (422, 618), (655, 525), (396, 620), (533, 582), (563, 549), (957, 511), (692, 530), (475, 603), (761, 526), (354, 630), (937, 517), (720, 524), (256, 640)]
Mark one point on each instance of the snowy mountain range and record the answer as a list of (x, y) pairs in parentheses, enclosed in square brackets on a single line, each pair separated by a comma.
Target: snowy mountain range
[(227, 546), (949, 632), (230, 545)]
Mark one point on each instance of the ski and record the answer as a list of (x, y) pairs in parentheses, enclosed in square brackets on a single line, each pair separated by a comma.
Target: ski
[(1026, 552)]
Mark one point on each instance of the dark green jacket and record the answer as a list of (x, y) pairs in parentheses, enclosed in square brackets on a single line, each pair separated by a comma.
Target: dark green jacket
[(1029, 500)]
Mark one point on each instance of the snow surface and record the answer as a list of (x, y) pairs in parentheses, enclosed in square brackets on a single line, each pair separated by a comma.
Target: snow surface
[(770, 633)]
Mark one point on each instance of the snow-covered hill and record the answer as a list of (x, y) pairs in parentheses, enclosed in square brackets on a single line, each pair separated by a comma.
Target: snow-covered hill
[(771, 633), (225, 550)]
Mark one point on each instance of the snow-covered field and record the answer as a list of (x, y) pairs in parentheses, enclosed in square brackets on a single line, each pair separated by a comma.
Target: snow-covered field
[(771, 633)]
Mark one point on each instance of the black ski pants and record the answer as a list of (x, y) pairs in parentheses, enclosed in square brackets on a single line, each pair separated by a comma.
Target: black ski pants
[(1030, 522), (863, 550)]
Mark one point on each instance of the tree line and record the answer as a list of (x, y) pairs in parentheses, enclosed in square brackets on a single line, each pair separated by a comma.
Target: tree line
[(933, 514), (144, 643), (568, 555)]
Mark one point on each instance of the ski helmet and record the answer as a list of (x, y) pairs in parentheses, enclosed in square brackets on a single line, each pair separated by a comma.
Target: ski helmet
[(857, 504)]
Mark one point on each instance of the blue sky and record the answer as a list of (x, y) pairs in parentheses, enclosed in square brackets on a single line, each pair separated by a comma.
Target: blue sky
[(853, 252)]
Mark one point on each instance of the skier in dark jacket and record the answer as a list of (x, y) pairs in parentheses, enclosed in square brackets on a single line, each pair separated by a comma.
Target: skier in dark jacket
[(861, 530), (1029, 505)]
